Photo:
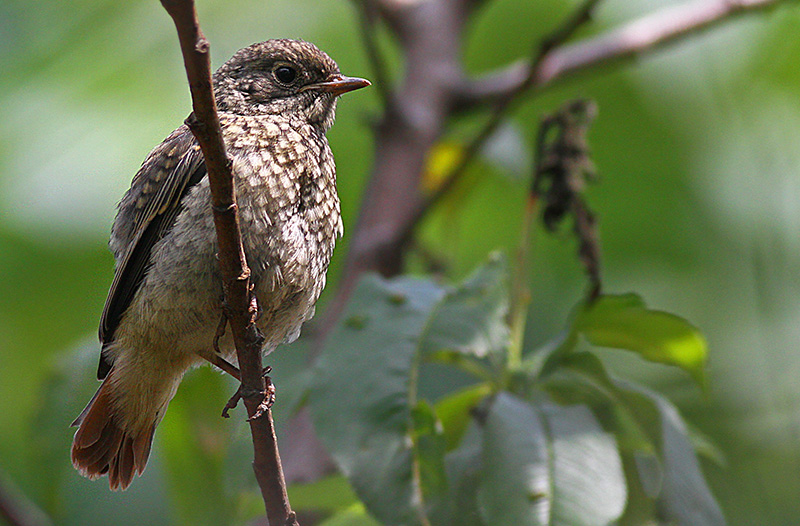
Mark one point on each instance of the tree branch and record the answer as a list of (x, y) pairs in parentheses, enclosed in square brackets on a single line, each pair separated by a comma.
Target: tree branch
[(240, 305), (640, 36), (435, 89)]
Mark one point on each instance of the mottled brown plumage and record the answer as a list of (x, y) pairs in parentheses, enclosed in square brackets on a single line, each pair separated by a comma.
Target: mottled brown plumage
[(276, 100)]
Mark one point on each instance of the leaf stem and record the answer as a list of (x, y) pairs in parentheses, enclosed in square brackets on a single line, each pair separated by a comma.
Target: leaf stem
[(520, 290)]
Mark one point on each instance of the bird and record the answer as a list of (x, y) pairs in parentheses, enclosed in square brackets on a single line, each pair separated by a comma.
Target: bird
[(276, 100)]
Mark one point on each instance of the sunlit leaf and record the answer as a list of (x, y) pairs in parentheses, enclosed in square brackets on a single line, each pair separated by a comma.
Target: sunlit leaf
[(515, 486), (623, 322), (442, 159), (546, 464), (588, 481), (354, 515), (330, 493)]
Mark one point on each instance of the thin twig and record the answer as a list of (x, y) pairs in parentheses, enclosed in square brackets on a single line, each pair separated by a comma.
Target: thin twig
[(639, 36), (240, 306), (368, 20)]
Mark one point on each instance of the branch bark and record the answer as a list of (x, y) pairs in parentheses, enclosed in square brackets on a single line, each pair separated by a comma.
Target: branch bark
[(240, 305), (635, 38)]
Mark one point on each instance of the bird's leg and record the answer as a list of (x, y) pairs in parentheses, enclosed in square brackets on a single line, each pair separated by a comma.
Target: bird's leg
[(223, 364), (216, 358)]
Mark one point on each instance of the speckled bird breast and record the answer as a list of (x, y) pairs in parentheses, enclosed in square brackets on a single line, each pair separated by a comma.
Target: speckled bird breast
[(289, 211)]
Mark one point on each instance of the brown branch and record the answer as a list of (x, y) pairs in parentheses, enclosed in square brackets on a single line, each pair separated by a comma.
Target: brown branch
[(635, 38), (239, 304)]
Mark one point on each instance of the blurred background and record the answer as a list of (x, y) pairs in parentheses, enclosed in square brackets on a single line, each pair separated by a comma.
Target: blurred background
[(698, 150)]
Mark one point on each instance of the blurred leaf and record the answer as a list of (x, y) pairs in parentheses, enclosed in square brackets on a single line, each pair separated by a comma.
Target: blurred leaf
[(515, 487), (362, 395), (547, 357), (508, 149), (588, 481), (623, 322), (442, 159), (195, 443), (389, 444), (583, 379), (330, 494), (454, 411), (463, 466), (546, 464), (66, 390), (354, 515), (685, 498), (705, 447), (430, 445), (471, 317)]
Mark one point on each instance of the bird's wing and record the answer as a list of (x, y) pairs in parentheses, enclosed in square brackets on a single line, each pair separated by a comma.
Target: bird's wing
[(146, 214)]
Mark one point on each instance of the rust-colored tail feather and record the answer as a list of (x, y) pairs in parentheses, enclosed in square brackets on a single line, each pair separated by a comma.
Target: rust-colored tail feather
[(102, 446)]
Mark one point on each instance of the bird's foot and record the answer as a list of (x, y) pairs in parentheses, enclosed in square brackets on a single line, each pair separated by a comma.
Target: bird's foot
[(267, 396)]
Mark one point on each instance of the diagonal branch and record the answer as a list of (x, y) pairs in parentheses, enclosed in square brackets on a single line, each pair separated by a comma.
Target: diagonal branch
[(240, 306), (640, 36)]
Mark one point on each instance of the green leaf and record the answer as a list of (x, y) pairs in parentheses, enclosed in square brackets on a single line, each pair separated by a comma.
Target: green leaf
[(454, 412), (515, 487), (685, 498), (364, 390), (545, 464), (364, 396), (471, 318), (463, 465), (330, 494), (195, 443), (583, 379), (429, 444), (588, 481), (354, 515), (623, 322)]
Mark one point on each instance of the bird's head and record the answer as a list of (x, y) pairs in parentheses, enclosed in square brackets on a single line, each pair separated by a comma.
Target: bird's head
[(283, 77)]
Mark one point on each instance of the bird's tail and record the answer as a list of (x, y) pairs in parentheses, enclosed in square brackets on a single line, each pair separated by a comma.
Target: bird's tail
[(109, 443)]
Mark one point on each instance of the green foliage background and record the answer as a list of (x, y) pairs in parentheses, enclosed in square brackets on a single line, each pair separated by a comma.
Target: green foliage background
[(697, 147)]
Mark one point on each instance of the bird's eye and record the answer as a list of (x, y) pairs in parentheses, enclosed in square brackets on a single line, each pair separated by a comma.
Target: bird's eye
[(285, 74)]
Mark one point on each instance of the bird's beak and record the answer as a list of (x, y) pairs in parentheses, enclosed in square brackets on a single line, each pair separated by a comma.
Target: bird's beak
[(338, 84)]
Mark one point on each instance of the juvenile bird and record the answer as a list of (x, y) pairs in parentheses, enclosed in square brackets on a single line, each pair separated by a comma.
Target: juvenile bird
[(276, 101)]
